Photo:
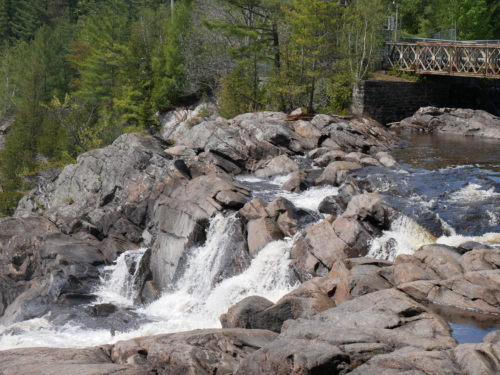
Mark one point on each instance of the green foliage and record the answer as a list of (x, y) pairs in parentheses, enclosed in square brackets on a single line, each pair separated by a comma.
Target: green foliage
[(409, 76), (240, 91), (339, 90), (168, 63), (313, 46), (474, 19), (9, 198)]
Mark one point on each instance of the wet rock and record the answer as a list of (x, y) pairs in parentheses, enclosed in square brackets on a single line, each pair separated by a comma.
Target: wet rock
[(53, 265), (239, 315), (318, 152), (113, 246), (386, 159), (125, 321), (45, 361), (372, 208), (260, 233), (297, 182), (361, 158), (467, 122), (103, 309), (150, 292), (330, 157), (278, 165), (336, 173), (305, 301), (332, 205), (234, 252), (353, 234), (471, 245), (180, 226), (255, 209)]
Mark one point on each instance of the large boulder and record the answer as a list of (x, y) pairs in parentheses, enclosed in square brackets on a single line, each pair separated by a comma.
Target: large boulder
[(40, 263), (336, 173), (239, 315), (467, 122), (210, 351), (278, 165), (345, 337), (260, 233)]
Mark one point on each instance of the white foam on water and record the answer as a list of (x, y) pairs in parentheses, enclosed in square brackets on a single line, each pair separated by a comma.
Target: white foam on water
[(117, 284), (39, 332), (195, 303), (280, 179), (492, 239), (247, 178), (494, 218), (447, 228), (311, 198), (473, 192), (405, 237)]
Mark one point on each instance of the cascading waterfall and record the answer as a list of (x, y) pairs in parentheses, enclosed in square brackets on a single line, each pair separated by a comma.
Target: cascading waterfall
[(197, 303), (194, 303), (118, 284), (404, 237)]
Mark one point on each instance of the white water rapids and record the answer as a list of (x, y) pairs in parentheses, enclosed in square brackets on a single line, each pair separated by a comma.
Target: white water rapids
[(194, 301)]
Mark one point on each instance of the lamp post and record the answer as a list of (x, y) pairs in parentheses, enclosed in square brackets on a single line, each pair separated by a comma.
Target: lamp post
[(396, 28)]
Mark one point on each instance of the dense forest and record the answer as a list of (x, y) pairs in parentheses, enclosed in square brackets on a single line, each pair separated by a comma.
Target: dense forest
[(75, 74)]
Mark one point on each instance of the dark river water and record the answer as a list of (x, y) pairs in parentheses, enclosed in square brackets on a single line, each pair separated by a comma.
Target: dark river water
[(460, 178)]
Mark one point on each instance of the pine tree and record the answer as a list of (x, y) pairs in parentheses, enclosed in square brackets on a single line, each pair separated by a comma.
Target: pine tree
[(168, 64), (313, 48), (5, 21), (28, 16)]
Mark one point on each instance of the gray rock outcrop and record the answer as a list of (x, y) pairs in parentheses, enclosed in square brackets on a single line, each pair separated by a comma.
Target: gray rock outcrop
[(467, 122)]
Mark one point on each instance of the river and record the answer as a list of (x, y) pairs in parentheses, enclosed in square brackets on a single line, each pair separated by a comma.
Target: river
[(448, 186)]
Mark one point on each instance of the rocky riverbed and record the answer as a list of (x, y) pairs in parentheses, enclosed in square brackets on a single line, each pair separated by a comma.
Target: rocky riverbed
[(305, 240)]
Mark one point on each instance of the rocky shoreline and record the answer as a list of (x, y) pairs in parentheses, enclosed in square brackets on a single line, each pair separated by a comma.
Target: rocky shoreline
[(349, 314), (466, 122)]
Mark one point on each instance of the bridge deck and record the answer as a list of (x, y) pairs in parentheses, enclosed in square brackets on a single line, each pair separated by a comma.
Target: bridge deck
[(446, 58)]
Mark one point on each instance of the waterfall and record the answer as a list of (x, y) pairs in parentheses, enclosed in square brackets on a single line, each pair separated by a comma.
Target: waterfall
[(404, 237), (197, 303), (118, 281)]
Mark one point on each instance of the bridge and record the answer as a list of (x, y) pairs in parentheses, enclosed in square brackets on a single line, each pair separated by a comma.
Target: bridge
[(465, 59)]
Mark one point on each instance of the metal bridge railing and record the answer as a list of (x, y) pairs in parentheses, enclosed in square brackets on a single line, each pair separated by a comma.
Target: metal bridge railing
[(467, 59)]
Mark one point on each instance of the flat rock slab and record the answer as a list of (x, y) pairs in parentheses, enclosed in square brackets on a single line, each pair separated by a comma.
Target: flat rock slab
[(50, 361)]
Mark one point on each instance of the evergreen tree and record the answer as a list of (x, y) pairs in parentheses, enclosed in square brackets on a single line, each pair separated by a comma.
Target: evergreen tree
[(168, 66), (313, 48)]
